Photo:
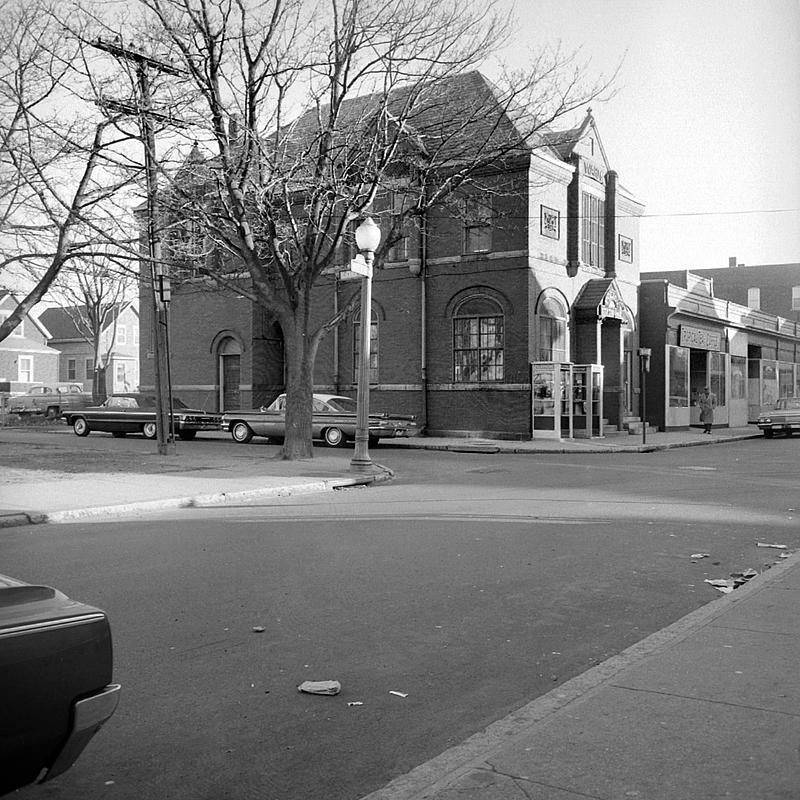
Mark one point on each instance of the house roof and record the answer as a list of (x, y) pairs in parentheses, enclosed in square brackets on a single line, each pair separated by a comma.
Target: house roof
[(450, 118), (5, 294), (61, 321)]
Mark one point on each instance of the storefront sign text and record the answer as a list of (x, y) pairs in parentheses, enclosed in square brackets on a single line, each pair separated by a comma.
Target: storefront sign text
[(700, 339)]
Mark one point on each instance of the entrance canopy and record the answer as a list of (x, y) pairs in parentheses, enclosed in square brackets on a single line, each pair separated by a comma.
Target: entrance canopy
[(601, 299)]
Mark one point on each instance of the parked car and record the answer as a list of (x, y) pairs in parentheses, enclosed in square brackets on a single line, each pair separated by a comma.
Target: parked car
[(333, 420), (51, 401), (135, 412), (55, 680), (784, 418)]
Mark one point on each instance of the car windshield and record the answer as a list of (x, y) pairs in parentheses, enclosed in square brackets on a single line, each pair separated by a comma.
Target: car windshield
[(343, 404)]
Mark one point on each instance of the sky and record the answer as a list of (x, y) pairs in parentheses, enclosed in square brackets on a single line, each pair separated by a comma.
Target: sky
[(704, 127)]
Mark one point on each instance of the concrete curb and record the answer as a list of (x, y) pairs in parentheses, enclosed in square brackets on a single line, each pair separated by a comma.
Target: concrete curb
[(195, 501), (426, 780), (589, 448)]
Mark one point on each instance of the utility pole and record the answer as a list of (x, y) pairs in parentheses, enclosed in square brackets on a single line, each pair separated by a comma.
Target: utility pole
[(161, 292)]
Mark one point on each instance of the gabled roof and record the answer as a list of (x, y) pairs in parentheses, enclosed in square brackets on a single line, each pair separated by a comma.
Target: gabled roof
[(599, 299), (6, 294), (61, 320), (565, 142)]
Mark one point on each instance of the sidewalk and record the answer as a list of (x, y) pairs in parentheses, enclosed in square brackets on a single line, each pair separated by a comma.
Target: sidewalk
[(143, 481), (708, 707)]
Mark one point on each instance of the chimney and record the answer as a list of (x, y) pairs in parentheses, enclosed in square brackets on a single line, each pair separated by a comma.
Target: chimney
[(731, 262)]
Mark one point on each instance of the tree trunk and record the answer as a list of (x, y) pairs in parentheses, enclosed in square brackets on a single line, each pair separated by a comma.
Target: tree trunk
[(300, 355)]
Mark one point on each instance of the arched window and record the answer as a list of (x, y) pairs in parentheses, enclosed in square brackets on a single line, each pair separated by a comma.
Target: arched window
[(373, 348), (478, 341), (551, 318)]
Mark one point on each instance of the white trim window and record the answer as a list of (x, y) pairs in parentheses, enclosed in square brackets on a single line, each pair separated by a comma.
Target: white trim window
[(122, 334), (25, 369), (795, 298), (754, 298)]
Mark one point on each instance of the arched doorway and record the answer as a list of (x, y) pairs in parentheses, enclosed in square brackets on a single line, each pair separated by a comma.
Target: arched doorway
[(229, 353)]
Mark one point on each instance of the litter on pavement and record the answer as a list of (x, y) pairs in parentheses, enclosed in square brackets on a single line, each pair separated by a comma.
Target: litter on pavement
[(398, 694), (700, 555), (774, 546), (737, 579), (320, 687)]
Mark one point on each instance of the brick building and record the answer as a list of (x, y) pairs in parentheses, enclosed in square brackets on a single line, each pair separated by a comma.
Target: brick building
[(537, 272)]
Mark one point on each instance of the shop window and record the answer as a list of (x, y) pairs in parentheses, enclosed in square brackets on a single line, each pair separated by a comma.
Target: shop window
[(716, 377), (679, 377), (593, 211), (738, 378), (478, 342), (71, 369), (785, 379), (477, 225), (552, 327), (754, 298), (373, 349), (769, 383)]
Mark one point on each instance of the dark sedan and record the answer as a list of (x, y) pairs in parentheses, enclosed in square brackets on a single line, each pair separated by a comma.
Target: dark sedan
[(783, 418), (333, 420), (55, 681), (136, 413)]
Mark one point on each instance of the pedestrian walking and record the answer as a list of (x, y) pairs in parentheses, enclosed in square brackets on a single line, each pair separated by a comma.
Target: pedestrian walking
[(707, 401)]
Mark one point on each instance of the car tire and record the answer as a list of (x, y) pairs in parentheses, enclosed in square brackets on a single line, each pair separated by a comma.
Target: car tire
[(186, 436), (149, 430), (789, 432), (374, 441), (80, 426), (334, 437), (767, 434), (241, 432), (118, 434)]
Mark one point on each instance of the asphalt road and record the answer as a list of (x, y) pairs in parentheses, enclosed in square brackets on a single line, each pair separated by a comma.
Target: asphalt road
[(471, 584)]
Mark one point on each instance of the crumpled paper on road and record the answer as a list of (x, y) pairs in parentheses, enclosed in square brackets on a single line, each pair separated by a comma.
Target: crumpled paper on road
[(320, 687)]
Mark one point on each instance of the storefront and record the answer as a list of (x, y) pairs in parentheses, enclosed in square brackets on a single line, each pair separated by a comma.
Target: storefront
[(703, 341)]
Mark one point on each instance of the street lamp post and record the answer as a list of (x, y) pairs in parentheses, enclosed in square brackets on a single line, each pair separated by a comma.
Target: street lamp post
[(644, 368), (368, 237)]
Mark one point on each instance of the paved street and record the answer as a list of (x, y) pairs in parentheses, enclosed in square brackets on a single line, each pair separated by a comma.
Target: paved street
[(472, 583)]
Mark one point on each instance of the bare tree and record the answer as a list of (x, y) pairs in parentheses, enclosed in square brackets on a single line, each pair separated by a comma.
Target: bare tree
[(62, 159), (92, 294), (309, 111)]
